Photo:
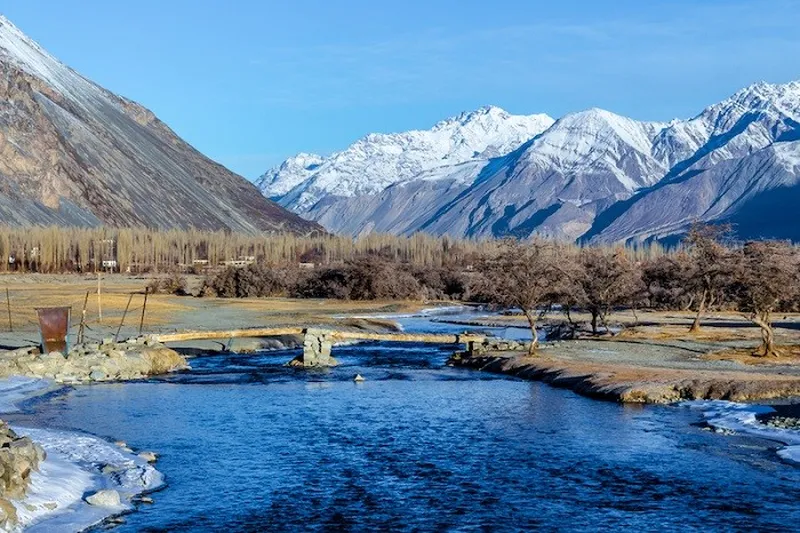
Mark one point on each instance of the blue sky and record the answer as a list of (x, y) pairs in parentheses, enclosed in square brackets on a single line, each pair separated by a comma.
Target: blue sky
[(251, 82)]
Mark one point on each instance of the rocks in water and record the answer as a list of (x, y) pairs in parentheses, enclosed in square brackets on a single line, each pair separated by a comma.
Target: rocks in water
[(108, 498), (783, 422), (97, 375), (19, 457), (93, 362), (150, 457)]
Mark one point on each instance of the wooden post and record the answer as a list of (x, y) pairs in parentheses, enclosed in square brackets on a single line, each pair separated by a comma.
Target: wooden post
[(124, 314), (8, 303), (99, 302), (144, 308), (82, 328)]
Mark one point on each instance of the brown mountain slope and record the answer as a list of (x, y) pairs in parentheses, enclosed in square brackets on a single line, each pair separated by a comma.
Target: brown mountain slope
[(72, 153)]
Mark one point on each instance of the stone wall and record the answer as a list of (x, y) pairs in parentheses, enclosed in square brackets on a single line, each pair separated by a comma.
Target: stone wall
[(499, 345), (106, 361)]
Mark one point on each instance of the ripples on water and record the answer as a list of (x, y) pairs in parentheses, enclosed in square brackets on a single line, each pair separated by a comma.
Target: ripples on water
[(249, 445)]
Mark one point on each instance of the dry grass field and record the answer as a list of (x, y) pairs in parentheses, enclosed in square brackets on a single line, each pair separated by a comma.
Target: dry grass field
[(164, 313)]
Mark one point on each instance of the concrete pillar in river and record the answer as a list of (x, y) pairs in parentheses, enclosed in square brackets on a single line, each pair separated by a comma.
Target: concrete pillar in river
[(317, 348)]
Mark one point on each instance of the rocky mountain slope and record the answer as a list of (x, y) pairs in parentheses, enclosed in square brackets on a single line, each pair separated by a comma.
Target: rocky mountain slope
[(592, 176), (73, 153)]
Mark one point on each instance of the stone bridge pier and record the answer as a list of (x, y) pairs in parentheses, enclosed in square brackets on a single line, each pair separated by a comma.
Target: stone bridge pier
[(317, 344)]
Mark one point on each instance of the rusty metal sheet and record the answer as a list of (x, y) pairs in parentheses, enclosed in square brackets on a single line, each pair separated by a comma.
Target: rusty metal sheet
[(54, 323)]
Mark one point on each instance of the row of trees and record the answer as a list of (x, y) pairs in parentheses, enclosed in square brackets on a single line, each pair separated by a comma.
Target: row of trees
[(55, 249), (758, 278), (708, 272)]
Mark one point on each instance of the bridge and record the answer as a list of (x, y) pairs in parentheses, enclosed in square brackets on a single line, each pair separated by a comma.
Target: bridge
[(318, 342)]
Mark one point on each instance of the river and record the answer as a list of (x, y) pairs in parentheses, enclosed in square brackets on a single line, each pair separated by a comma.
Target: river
[(247, 444)]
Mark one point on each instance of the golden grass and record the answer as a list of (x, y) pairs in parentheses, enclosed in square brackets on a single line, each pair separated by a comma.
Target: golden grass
[(674, 332), (29, 292), (790, 355)]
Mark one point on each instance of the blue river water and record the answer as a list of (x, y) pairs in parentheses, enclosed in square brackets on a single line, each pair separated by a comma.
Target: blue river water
[(248, 444)]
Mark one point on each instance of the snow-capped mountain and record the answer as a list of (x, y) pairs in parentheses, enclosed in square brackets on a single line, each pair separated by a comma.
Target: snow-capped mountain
[(379, 160), (591, 175), (73, 153), (732, 162)]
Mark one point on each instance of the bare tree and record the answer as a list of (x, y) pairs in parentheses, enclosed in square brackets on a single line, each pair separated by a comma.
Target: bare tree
[(768, 277), (665, 278), (606, 280), (710, 267), (529, 276)]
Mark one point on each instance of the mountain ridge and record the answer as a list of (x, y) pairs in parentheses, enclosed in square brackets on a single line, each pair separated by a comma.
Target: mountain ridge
[(592, 175)]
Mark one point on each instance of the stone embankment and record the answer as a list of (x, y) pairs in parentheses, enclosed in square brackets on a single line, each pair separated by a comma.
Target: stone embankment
[(19, 457), (93, 362), (499, 345)]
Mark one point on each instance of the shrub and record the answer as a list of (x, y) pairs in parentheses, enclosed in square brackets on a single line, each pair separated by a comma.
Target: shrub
[(253, 281), (171, 284)]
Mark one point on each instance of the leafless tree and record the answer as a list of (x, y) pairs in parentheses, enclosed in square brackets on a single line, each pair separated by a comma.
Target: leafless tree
[(666, 278), (768, 278), (710, 269), (606, 280), (530, 276)]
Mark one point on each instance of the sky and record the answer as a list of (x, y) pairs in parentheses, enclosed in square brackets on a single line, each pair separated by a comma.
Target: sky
[(252, 82)]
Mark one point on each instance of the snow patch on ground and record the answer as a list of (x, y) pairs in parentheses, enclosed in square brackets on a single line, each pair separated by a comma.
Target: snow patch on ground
[(78, 464), (741, 418)]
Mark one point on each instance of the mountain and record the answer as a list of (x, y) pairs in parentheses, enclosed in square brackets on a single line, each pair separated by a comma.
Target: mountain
[(591, 176), (738, 161), (73, 153), (380, 160)]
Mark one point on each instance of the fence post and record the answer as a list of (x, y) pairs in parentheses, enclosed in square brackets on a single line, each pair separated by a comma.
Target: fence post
[(82, 328), (99, 302), (124, 314), (144, 308), (8, 303)]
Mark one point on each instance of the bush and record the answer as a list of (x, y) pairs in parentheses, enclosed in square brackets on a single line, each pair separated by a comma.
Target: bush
[(171, 284), (440, 283), (367, 278), (253, 281)]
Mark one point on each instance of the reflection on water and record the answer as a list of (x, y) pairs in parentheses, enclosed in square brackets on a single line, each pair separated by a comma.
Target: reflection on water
[(248, 444)]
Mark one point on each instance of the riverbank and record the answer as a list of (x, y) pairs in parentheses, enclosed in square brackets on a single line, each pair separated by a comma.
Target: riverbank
[(70, 481), (643, 371)]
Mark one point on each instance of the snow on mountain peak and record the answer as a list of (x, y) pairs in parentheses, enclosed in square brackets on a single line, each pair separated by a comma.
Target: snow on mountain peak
[(378, 160), (759, 114), (597, 138), (24, 53)]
